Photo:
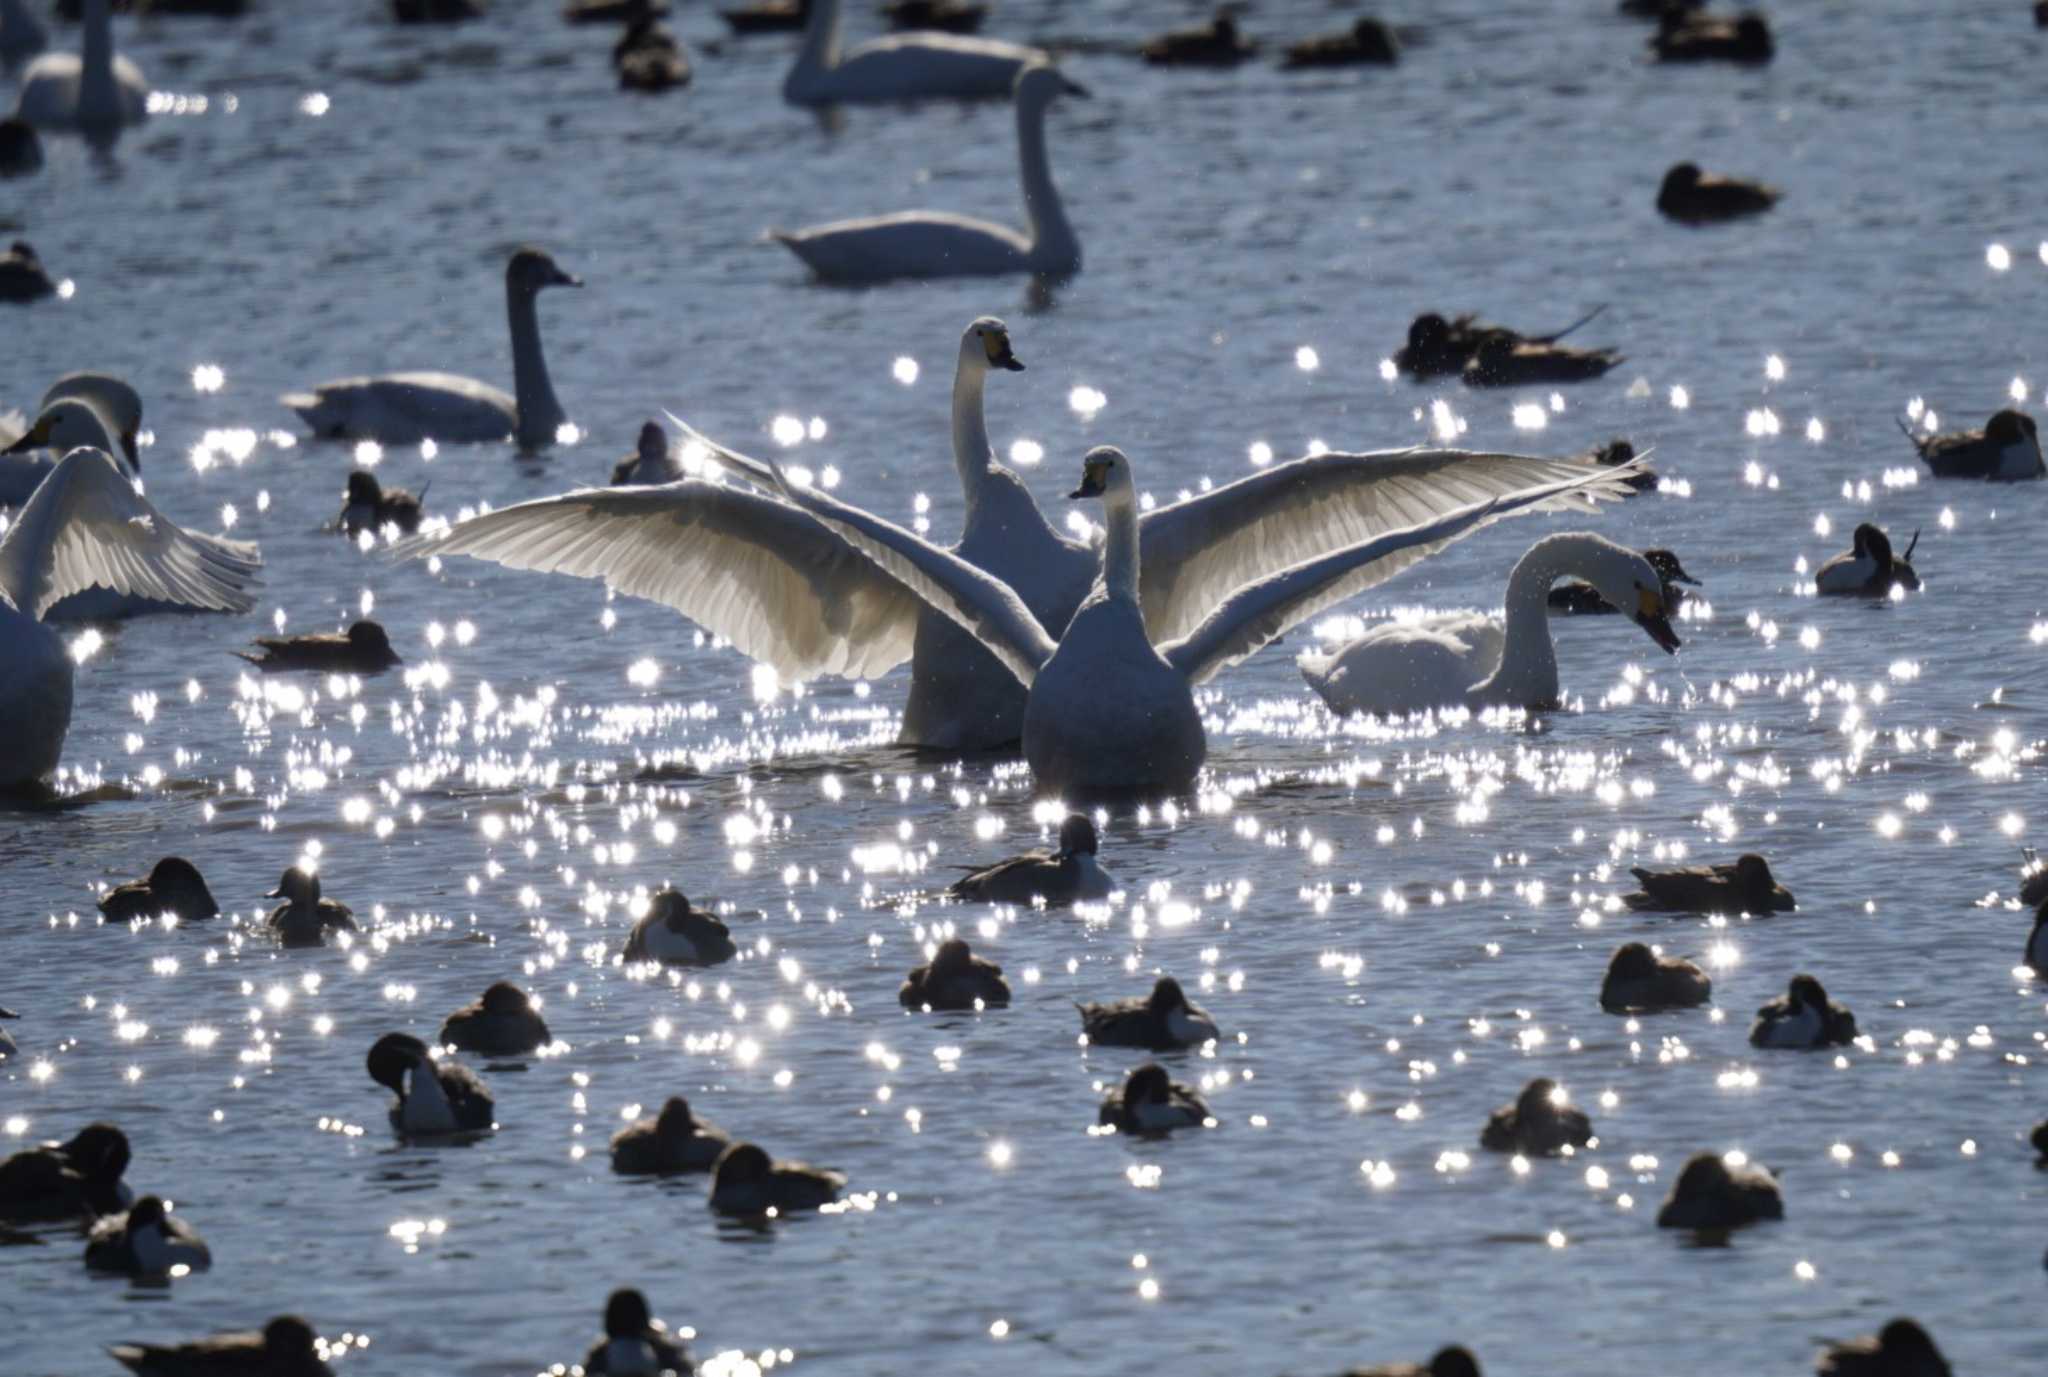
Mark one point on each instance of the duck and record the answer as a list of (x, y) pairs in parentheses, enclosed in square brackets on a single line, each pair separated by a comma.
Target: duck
[(1710, 1193), (22, 35), (435, 1099), (8, 1046), (364, 648), (652, 461), (367, 505), (146, 1241), (437, 11), (928, 244), (674, 933), (304, 918), (767, 16), (1684, 36), (74, 10), (1657, 9), (954, 979), (904, 66), (2007, 450), (648, 58), (1453, 1361), (2039, 1139), (95, 91), (1869, 570), (285, 1347), (1066, 876), (1214, 44), (1440, 347), (1639, 981), (1616, 453), (1578, 599), (1745, 886), (502, 1022), (2037, 942), (745, 1180), (77, 1178), (674, 1141), (1538, 1124), (612, 11), (21, 148), (1500, 362), (1160, 1022), (1693, 197), (1469, 660), (85, 524), (1901, 1349), (1368, 41), (945, 16), (635, 1344), (22, 276), (1150, 1102), (2033, 877), (1803, 1018), (407, 408), (173, 886)]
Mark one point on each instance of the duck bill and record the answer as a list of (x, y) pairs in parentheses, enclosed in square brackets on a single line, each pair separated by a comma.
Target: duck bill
[(277, 893), (1660, 631)]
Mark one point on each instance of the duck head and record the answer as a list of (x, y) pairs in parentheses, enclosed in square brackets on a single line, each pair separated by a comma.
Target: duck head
[(367, 638), (1428, 331), (364, 487), (626, 1315), (532, 269), (1704, 1174), (1682, 178), (147, 1211), (1668, 568), (653, 449), (288, 1338), (953, 957), (986, 345), (1077, 836), (300, 886), (391, 1056), (1540, 1099), (1902, 1338), (1806, 992), (1149, 1084), (505, 999), (675, 1123), (1166, 996), (1632, 961), (670, 907), (742, 1164), (176, 878), (1873, 544), (1753, 873), (1455, 1361), (99, 1152)]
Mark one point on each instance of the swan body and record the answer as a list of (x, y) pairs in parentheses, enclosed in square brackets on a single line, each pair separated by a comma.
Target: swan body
[(1467, 660), (2007, 450), (926, 244), (910, 66), (406, 408), (93, 91), (285, 1347), (635, 1344)]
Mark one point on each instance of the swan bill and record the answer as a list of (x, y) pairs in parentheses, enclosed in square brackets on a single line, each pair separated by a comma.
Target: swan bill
[(1659, 627), (996, 343), (1094, 477)]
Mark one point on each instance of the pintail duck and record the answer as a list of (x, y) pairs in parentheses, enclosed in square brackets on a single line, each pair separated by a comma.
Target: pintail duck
[(1537, 1124), (1069, 875), (1499, 362), (363, 649), (286, 1347), (955, 978), (2007, 450), (1870, 569), (1162, 1021), (1438, 346), (1747, 886), (675, 1140)]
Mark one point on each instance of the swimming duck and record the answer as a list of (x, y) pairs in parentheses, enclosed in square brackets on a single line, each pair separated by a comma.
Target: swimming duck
[(502, 1023), (21, 149), (674, 1141), (955, 979), (406, 408), (1657, 9), (635, 1344), (2037, 941), (1616, 453), (1803, 1018), (1470, 660), (285, 1347), (767, 16), (1870, 570), (651, 462), (1214, 44), (1537, 1124), (1683, 36), (1692, 197), (1368, 40), (305, 919), (1747, 886), (1151, 1102), (368, 505), (2007, 450), (146, 1241), (1162, 1021), (903, 66), (1710, 1194), (677, 934), (648, 58), (1499, 362), (78, 1177), (1901, 1349), (22, 35), (94, 91), (84, 525), (611, 11), (746, 1181), (1438, 346), (945, 16), (434, 1098), (1640, 981), (1453, 1361), (436, 11), (363, 649), (173, 885), (1069, 875), (22, 276), (1583, 599)]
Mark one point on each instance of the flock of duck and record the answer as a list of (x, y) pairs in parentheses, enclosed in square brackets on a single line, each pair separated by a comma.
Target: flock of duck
[(1086, 654)]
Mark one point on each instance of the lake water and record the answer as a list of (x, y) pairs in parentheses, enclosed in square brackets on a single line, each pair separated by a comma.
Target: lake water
[(1396, 927)]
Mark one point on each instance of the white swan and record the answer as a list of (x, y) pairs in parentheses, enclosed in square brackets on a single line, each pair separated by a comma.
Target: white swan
[(86, 526), (1467, 659), (405, 408), (930, 243), (906, 66), (1107, 711), (93, 90), (61, 426)]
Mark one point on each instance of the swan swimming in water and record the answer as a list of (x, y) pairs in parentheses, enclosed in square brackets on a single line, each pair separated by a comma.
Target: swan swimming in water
[(906, 66), (1467, 659), (93, 91), (930, 243), (406, 408)]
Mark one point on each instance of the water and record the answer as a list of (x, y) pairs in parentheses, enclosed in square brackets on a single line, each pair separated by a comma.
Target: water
[(1397, 929)]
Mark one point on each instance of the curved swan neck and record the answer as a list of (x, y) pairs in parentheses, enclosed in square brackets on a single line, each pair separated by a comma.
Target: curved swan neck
[(971, 450), (820, 50), (1120, 549), (539, 413), (1052, 238), (97, 103), (1527, 674)]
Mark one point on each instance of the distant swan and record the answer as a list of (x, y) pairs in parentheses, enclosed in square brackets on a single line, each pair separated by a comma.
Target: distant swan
[(406, 408), (930, 243), (1467, 659), (907, 66), (93, 90)]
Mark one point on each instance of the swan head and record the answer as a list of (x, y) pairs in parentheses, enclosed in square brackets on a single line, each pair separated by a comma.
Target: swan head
[(2009, 427), (1039, 82), (1077, 836), (114, 399), (532, 269), (986, 344), (1105, 473), (299, 885), (626, 1315), (66, 424), (391, 1056), (1631, 582)]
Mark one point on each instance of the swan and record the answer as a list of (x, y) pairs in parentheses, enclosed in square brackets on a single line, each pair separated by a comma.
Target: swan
[(93, 90), (930, 243), (405, 408), (908, 66), (86, 525), (1466, 659)]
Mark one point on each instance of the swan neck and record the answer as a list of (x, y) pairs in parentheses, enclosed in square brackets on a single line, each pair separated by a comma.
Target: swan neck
[(96, 97), (539, 413), (1052, 239), (971, 450), (820, 50), (1527, 674), (1120, 550)]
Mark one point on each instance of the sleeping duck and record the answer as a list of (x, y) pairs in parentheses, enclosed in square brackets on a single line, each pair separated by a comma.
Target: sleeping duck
[(1710, 1194), (675, 934), (1368, 41), (1901, 1349), (955, 979), (1501, 362), (1684, 36), (1069, 875), (502, 1023), (635, 1344), (674, 1141), (1803, 1018), (363, 649), (173, 886), (1641, 982), (145, 1241), (1453, 1361), (1870, 570), (1162, 1021), (747, 1181), (1214, 44), (1538, 1124), (1693, 197), (434, 1098), (1151, 1102), (1747, 886), (78, 1178), (286, 1347)]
